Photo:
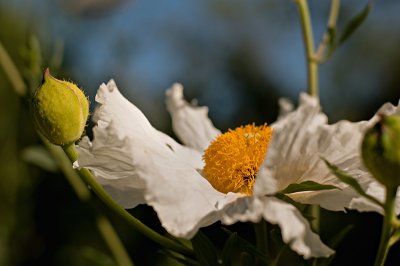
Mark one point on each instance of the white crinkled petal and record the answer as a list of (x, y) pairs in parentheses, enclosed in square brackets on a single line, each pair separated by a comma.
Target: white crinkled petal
[(295, 229), (385, 109), (136, 162), (285, 107), (288, 155), (376, 190), (190, 123)]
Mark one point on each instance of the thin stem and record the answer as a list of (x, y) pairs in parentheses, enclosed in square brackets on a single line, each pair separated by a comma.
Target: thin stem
[(70, 174), (12, 72), (327, 38), (334, 13), (312, 65), (387, 226), (102, 194)]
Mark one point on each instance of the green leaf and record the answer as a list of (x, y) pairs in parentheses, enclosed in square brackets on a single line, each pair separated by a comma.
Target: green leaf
[(300, 206), (306, 186), (229, 249), (351, 181), (355, 23), (237, 248), (204, 249)]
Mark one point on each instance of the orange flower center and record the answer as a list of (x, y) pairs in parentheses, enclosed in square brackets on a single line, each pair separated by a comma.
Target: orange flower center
[(232, 160)]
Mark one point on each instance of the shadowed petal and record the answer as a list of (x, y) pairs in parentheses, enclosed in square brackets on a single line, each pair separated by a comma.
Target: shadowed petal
[(295, 229)]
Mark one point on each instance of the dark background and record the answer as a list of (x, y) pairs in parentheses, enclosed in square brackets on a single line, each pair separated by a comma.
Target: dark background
[(237, 57)]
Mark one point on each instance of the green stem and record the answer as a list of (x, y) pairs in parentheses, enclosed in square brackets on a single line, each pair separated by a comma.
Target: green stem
[(334, 13), (102, 194), (70, 174), (387, 227), (312, 65)]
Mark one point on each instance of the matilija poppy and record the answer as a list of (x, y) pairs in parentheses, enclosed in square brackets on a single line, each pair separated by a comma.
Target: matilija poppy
[(189, 185)]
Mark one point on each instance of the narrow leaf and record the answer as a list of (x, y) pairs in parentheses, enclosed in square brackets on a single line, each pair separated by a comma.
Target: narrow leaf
[(236, 246), (355, 23), (351, 181), (306, 186), (204, 249)]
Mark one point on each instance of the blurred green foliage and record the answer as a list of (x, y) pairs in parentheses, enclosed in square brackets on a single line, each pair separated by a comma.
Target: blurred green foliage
[(42, 219)]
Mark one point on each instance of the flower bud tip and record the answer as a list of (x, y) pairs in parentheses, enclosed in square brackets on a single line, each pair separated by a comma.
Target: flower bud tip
[(60, 110)]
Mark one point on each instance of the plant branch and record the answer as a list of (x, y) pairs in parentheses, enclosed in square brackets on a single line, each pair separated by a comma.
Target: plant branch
[(328, 37)]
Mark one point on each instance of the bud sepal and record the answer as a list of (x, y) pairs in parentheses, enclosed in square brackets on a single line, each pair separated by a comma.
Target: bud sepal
[(381, 151)]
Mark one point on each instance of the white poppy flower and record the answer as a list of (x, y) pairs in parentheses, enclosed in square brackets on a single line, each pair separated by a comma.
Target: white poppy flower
[(139, 164)]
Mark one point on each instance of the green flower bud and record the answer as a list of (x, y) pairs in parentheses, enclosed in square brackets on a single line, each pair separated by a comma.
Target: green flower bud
[(60, 110), (381, 151)]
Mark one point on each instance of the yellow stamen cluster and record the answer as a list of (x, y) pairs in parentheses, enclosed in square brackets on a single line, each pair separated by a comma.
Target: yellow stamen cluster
[(232, 160)]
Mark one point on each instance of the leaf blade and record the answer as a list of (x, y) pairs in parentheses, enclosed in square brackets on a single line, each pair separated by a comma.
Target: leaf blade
[(355, 23), (306, 186)]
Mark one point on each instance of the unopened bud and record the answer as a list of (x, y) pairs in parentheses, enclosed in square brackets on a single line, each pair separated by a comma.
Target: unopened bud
[(381, 150), (60, 110)]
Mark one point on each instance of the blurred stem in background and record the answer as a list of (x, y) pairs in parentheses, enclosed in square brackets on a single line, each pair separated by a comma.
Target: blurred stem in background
[(313, 59), (12, 72), (11, 173), (312, 65), (312, 75)]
